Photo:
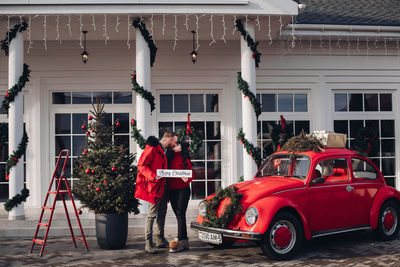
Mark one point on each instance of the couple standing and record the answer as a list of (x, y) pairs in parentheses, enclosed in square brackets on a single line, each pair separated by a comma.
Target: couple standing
[(164, 154)]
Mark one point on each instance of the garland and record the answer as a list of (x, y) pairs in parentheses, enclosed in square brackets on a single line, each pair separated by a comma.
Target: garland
[(196, 143), (13, 159), (211, 218), (11, 34), (138, 23), (13, 92), (253, 151), (16, 200), (137, 135), (142, 92), (250, 42), (366, 141), (244, 87)]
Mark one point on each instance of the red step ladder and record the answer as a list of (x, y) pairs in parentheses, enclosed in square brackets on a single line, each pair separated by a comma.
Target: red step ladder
[(64, 155)]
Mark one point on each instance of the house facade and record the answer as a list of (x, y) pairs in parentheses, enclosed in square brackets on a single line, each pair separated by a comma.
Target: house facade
[(340, 74)]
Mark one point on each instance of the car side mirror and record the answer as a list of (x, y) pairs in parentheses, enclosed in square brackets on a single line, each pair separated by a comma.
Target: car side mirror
[(318, 180)]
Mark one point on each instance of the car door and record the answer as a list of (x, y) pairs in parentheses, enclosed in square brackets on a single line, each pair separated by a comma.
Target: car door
[(331, 199)]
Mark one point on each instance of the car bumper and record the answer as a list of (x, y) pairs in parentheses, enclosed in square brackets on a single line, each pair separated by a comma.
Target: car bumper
[(235, 234)]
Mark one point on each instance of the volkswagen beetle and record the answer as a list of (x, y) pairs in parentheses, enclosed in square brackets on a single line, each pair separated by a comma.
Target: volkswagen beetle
[(304, 195)]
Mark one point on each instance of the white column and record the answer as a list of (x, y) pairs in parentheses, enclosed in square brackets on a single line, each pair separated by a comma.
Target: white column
[(249, 119), (15, 123), (143, 119)]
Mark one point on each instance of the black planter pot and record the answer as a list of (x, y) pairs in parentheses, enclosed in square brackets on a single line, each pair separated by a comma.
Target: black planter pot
[(111, 230)]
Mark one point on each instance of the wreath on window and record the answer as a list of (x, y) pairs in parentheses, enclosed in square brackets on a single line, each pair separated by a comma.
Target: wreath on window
[(366, 141), (211, 219), (196, 141)]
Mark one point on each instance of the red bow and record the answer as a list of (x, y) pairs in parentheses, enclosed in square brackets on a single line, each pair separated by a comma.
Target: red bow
[(188, 128), (282, 123)]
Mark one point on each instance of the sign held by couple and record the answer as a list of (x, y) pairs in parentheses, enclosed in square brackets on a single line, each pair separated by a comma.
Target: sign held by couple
[(174, 173)]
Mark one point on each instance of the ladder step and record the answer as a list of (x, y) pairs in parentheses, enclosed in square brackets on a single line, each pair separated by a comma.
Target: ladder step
[(61, 191), (47, 208), (80, 239), (43, 224), (38, 241)]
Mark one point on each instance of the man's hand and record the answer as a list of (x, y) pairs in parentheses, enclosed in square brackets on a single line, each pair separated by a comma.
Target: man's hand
[(185, 179), (158, 177)]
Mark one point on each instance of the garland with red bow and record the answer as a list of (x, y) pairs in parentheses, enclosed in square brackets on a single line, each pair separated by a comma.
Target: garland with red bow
[(366, 141), (13, 159), (147, 95), (250, 42), (189, 133), (253, 151), (139, 139)]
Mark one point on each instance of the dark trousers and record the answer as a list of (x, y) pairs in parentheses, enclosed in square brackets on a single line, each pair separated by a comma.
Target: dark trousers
[(179, 202)]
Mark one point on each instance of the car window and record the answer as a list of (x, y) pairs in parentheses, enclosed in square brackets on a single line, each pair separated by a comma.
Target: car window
[(332, 170), (362, 169), (287, 165)]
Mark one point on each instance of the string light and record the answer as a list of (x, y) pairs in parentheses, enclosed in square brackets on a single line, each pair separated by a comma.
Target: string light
[(329, 43), (129, 32), (186, 22), (80, 30), (358, 44), (246, 25), (163, 24), (93, 23), (69, 25), (280, 25), (57, 28), (309, 49), (117, 24), (8, 29), (321, 43), (301, 43), (348, 45), (257, 20), (293, 43), (367, 44), (197, 33), (269, 30), (385, 45), (152, 26), (224, 29), (234, 24), (20, 19), (29, 34), (338, 42), (105, 30), (176, 31), (398, 49), (376, 41), (212, 30), (45, 32)]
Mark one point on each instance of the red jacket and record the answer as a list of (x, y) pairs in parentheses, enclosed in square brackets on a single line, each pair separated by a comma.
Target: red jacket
[(152, 159), (177, 163)]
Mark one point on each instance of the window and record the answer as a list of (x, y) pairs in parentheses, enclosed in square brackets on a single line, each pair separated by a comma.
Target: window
[(283, 102), (363, 169), (66, 98), (377, 107), (184, 103), (332, 170)]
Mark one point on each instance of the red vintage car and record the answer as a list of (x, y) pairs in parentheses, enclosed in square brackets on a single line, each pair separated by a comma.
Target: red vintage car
[(297, 196)]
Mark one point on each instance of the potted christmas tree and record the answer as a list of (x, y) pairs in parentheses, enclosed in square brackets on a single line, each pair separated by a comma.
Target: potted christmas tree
[(106, 184)]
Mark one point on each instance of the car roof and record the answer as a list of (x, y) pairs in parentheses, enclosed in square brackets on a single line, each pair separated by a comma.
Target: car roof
[(326, 153)]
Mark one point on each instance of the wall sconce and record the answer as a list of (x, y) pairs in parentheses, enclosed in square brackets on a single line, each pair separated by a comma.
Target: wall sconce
[(194, 53), (85, 55)]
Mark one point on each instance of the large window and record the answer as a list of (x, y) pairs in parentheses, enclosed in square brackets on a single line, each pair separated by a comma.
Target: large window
[(294, 108), (206, 123), (377, 107)]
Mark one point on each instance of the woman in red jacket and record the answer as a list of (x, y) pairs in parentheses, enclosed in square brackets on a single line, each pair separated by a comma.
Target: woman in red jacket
[(179, 191)]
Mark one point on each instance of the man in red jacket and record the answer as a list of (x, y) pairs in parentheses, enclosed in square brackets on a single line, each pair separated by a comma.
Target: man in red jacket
[(152, 188)]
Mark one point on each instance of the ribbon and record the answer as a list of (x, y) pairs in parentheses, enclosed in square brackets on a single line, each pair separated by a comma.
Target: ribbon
[(188, 128), (283, 123)]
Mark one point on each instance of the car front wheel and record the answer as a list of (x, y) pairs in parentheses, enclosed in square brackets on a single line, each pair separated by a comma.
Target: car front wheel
[(388, 221), (283, 237)]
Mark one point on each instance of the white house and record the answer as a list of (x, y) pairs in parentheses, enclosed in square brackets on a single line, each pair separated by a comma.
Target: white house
[(335, 66)]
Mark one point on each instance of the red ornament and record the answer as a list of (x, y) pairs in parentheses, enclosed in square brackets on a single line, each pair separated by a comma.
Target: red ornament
[(15, 160), (117, 124), (113, 169), (241, 141), (87, 133), (87, 170), (254, 55), (83, 126), (92, 130), (246, 96), (80, 166), (91, 185), (79, 212), (132, 122), (90, 118), (133, 75), (7, 176), (105, 182), (98, 189), (84, 152), (7, 95), (92, 171)]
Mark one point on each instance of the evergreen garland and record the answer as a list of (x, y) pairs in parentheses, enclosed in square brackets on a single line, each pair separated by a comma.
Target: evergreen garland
[(139, 139), (366, 141), (13, 159), (11, 34), (143, 93), (212, 219), (253, 151), (250, 42), (138, 23), (14, 91), (16, 200), (244, 87), (196, 142)]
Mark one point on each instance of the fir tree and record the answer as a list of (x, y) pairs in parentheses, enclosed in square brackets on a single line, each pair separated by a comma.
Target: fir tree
[(105, 170)]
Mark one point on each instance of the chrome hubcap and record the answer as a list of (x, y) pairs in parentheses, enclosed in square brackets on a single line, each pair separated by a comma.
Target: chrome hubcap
[(389, 220), (282, 237)]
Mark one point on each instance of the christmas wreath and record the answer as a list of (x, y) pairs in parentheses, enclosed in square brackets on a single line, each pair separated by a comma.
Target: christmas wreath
[(253, 151), (211, 218), (139, 139), (366, 141), (143, 93), (138, 23), (196, 141), (250, 42), (280, 134)]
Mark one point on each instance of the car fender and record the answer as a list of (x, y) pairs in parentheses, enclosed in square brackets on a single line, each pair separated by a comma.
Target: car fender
[(267, 209), (383, 194)]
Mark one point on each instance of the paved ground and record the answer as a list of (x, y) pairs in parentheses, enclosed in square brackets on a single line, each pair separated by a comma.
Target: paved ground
[(352, 249)]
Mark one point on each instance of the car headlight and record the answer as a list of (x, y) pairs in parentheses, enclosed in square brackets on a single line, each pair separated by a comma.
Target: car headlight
[(251, 215), (202, 208)]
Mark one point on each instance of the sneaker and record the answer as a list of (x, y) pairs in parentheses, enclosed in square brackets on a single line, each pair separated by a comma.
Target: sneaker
[(161, 242), (176, 246), (149, 248)]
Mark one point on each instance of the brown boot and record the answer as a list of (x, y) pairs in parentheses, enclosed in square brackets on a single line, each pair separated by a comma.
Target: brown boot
[(149, 248), (161, 242), (179, 247)]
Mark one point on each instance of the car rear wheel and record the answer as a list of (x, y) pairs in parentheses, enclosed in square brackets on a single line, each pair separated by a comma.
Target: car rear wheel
[(283, 237), (388, 221)]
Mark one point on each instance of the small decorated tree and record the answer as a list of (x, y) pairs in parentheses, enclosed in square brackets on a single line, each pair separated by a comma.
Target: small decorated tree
[(106, 175)]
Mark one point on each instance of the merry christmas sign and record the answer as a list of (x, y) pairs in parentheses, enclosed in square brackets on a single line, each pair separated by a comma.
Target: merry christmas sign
[(174, 173)]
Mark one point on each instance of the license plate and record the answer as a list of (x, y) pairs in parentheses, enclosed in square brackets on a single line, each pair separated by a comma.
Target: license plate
[(210, 237)]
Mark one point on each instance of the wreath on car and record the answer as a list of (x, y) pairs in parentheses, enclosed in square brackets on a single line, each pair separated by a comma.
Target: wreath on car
[(211, 218)]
